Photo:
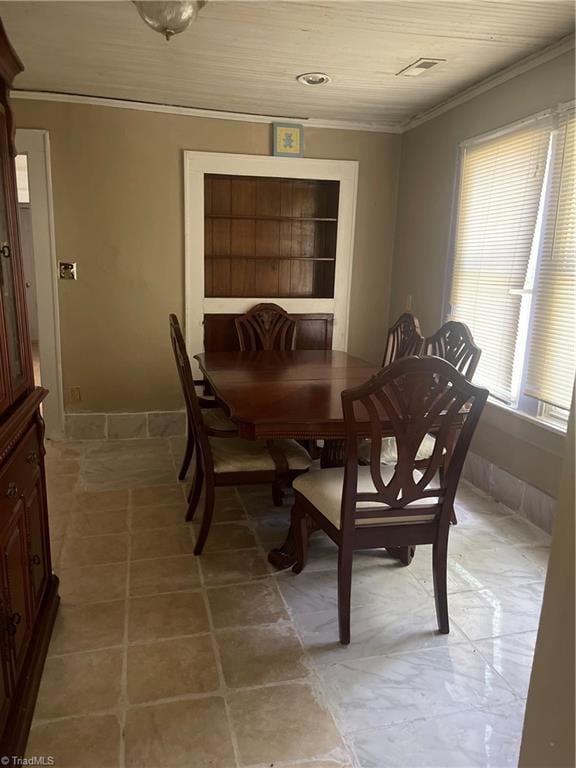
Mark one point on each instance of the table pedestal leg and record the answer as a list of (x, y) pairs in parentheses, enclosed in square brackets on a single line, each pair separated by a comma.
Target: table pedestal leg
[(285, 556), (404, 554)]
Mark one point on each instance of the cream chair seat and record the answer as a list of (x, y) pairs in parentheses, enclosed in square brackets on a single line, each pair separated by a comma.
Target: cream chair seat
[(389, 452), (234, 454), (323, 489), (215, 418)]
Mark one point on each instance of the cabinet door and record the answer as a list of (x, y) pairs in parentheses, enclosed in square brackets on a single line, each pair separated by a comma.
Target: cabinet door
[(5, 680), (38, 553), (14, 323), (16, 569)]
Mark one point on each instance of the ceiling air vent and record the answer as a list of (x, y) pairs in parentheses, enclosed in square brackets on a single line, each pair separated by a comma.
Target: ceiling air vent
[(419, 67)]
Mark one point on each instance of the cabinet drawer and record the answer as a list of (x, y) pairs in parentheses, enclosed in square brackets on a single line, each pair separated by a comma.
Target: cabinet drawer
[(19, 475)]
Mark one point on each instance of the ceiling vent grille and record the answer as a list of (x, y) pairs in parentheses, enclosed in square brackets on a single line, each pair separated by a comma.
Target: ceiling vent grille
[(419, 67)]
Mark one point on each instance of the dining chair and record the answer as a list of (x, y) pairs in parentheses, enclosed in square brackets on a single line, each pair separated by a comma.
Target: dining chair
[(212, 415), (404, 339), (366, 507), (266, 327), (223, 458), (454, 342)]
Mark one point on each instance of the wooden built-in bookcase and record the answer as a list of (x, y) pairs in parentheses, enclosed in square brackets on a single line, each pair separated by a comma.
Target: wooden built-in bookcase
[(269, 237)]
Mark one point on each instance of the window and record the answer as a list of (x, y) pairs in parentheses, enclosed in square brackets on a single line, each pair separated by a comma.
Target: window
[(514, 266)]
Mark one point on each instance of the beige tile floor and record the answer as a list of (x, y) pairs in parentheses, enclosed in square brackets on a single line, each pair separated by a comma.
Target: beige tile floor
[(160, 659)]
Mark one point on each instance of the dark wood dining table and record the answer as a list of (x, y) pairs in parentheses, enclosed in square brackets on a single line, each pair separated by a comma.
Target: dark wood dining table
[(294, 394)]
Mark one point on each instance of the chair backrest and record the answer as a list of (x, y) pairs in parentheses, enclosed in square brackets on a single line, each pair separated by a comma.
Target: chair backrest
[(454, 343), (404, 339), (266, 327), (412, 397), (193, 410)]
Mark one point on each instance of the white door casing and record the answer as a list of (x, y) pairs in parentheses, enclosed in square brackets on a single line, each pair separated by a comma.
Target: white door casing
[(196, 165), (36, 145)]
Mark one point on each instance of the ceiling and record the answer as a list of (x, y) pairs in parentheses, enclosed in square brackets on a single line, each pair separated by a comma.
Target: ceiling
[(244, 56)]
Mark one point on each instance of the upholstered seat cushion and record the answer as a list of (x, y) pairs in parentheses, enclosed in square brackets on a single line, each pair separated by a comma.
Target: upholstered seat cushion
[(233, 454), (389, 452), (215, 418), (323, 489)]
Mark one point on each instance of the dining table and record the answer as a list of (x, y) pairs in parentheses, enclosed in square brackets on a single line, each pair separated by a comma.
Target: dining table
[(287, 394)]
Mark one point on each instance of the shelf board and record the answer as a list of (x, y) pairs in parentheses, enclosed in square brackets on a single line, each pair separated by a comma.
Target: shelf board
[(268, 218), (272, 258)]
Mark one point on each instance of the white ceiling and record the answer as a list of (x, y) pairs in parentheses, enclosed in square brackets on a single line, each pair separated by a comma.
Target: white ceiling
[(244, 56)]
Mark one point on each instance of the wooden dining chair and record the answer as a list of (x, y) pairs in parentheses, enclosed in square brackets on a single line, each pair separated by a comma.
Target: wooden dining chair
[(366, 507), (266, 327), (212, 415), (454, 342), (404, 339), (223, 458)]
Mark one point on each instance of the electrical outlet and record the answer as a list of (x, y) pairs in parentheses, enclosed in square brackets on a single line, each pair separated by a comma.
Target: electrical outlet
[(75, 395), (408, 302)]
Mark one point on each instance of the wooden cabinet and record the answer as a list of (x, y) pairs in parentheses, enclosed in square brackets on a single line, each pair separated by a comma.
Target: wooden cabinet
[(28, 588)]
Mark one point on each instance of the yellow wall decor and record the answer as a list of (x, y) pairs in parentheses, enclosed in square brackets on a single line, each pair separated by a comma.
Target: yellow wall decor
[(287, 140)]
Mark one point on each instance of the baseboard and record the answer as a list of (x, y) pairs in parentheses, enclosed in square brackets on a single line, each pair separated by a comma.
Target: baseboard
[(125, 426), (528, 501)]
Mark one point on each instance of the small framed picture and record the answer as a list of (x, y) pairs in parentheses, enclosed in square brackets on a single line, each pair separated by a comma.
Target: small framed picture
[(287, 140)]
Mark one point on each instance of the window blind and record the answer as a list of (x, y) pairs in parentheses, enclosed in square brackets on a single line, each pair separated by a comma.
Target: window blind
[(499, 197), (552, 350)]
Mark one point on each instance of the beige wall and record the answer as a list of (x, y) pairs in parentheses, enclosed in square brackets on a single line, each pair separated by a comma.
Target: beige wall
[(118, 209), (548, 738), (427, 175)]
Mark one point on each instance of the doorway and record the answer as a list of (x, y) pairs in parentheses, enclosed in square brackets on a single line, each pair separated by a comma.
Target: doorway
[(34, 185)]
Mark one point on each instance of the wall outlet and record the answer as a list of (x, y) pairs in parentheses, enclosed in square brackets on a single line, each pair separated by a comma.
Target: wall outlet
[(408, 302), (75, 395)]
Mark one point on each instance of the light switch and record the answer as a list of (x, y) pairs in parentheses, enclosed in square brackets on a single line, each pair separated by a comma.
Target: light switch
[(67, 270)]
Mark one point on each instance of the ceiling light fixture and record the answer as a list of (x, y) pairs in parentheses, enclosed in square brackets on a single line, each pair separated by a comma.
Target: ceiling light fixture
[(314, 78), (169, 18), (418, 67)]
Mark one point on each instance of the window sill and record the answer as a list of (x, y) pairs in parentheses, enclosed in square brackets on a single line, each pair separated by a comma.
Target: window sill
[(555, 429)]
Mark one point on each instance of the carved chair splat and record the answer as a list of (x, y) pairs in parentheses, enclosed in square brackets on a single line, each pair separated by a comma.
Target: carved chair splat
[(267, 327), (404, 339)]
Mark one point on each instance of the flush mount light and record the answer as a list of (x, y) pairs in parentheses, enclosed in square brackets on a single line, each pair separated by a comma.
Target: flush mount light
[(169, 18), (419, 67), (314, 78)]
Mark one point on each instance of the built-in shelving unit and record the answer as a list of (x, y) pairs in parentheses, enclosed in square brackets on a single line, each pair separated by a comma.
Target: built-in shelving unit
[(269, 237)]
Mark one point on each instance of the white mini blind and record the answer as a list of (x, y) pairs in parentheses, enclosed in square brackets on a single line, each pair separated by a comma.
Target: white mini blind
[(500, 190), (552, 350)]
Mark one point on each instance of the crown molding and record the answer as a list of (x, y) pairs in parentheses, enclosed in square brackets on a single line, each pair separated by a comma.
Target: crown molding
[(552, 51), (167, 109), (561, 46)]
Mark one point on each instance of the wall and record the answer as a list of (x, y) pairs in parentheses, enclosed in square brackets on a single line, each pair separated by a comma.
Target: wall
[(427, 175), (118, 209), (548, 738)]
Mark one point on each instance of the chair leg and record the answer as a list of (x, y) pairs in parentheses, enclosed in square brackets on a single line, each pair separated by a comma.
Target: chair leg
[(206, 518), (439, 560), (344, 593), (277, 494), (299, 528), (188, 453), (195, 491)]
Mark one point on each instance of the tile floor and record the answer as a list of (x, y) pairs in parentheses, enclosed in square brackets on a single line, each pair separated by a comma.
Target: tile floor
[(160, 659)]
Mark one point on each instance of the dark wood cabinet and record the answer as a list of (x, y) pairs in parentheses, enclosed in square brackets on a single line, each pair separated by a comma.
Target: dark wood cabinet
[(28, 588)]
